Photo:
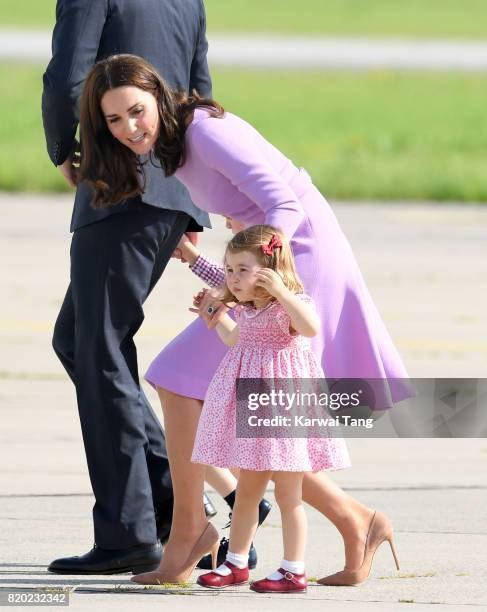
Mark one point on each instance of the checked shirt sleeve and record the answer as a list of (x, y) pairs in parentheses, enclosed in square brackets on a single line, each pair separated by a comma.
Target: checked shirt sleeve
[(210, 272)]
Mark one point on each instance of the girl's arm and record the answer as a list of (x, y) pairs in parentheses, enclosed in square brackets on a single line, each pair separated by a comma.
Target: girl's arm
[(213, 274), (304, 319), (227, 329)]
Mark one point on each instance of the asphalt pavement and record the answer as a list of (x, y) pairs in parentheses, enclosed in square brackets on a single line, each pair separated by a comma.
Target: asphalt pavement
[(426, 269)]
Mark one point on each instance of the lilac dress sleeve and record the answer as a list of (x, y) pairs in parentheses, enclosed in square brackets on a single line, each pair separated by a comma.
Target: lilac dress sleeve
[(235, 154), (209, 271)]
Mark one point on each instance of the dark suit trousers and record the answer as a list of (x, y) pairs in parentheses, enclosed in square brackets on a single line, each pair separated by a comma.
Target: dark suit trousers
[(115, 263)]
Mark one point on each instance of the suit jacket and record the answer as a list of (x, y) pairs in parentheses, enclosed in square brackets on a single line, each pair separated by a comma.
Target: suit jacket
[(171, 34)]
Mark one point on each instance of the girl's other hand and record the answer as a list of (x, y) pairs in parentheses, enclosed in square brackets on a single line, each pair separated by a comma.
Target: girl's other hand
[(211, 308), (270, 281), (197, 300)]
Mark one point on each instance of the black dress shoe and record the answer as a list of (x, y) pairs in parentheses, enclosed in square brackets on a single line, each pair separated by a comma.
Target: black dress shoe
[(104, 561), (210, 509), (205, 562), (264, 509)]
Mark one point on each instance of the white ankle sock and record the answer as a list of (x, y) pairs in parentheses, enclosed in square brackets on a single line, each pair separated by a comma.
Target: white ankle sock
[(296, 567), (222, 570), (239, 561)]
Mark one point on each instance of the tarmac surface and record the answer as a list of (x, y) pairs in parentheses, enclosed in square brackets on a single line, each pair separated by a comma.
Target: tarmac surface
[(288, 52), (426, 269)]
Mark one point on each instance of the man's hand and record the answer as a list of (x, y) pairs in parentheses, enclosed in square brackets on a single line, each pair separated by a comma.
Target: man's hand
[(185, 250), (70, 167), (194, 237)]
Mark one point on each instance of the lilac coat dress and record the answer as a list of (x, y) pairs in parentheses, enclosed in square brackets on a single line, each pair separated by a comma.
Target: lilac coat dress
[(232, 170)]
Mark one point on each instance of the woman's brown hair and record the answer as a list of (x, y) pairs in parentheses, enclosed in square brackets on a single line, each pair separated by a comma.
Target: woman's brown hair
[(280, 259), (113, 170)]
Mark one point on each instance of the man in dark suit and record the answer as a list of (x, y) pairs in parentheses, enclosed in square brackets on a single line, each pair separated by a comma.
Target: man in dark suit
[(117, 256)]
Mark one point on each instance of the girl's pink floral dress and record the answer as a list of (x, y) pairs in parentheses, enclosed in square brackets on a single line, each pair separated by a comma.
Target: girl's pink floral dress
[(266, 349)]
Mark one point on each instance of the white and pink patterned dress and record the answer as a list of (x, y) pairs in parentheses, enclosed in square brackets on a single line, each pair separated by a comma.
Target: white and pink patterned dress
[(266, 349)]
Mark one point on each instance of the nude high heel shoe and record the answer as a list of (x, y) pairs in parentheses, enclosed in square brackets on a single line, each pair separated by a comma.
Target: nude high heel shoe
[(208, 542), (380, 530)]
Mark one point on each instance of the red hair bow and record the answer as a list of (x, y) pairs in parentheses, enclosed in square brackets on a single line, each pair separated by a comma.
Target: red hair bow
[(274, 243)]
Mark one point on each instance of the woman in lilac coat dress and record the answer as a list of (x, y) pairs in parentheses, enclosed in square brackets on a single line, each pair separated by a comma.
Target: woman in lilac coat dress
[(230, 169)]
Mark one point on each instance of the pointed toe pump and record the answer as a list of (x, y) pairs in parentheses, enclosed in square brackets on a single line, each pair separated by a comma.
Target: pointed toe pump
[(380, 530), (208, 542)]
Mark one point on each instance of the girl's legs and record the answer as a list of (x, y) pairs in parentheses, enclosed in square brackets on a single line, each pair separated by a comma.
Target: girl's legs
[(250, 490), (224, 481), (288, 492), (181, 416), (350, 517), (251, 486)]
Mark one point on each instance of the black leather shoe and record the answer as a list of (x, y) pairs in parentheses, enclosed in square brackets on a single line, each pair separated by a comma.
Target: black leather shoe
[(205, 562), (104, 561), (210, 509), (264, 509)]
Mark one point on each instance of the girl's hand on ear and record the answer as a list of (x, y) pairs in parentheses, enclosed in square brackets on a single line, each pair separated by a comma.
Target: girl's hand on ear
[(271, 282)]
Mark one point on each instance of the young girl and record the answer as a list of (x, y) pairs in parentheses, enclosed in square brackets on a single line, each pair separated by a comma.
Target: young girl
[(269, 339), (222, 480)]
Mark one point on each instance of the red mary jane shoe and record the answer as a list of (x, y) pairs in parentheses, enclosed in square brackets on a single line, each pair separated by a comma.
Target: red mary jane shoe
[(211, 580), (289, 583)]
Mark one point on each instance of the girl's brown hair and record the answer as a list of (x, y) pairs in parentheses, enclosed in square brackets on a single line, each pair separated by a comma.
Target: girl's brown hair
[(113, 170), (281, 260)]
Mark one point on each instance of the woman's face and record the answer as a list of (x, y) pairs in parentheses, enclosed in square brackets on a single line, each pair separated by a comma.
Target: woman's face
[(132, 117)]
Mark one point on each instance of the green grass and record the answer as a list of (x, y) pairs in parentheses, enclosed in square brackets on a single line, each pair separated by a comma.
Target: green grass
[(378, 135), (28, 14), (417, 18)]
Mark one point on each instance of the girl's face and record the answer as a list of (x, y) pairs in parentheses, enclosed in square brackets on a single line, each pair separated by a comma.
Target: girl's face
[(234, 225), (132, 117), (240, 271)]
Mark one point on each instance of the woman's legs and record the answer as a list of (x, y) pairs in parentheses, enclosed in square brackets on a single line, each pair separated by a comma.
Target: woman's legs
[(181, 416), (221, 479), (350, 517), (288, 493)]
